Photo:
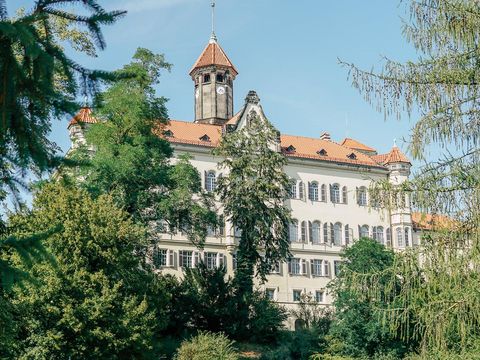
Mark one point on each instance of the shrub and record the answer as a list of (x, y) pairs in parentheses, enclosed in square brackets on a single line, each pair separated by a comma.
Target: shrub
[(207, 346)]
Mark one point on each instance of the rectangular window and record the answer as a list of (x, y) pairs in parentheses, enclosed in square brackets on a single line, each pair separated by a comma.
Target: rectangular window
[(160, 257), (270, 294), (293, 189), (211, 260), (336, 267), (326, 268), (276, 268), (297, 295), (316, 267), (319, 296), (295, 266), (185, 258)]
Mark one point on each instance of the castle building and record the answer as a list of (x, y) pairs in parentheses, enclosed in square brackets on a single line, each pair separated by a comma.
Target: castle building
[(329, 199)]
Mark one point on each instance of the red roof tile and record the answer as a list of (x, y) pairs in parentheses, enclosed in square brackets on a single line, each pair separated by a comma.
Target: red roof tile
[(83, 116), (432, 222), (354, 144), (190, 133), (213, 54)]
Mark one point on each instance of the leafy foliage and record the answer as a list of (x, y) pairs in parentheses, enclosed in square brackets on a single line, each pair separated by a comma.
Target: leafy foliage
[(253, 194), (207, 346), (358, 317), (443, 85), (96, 301), (132, 162)]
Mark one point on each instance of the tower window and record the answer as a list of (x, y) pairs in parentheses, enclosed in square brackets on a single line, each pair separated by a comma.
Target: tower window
[(220, 78), (206, 78)]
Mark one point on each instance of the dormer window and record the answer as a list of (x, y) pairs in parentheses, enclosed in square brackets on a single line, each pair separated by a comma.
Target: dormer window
[(220, 78), (206, 78), (352, 156), (168, 133), (291, 149), (322, 152), (205, 138)]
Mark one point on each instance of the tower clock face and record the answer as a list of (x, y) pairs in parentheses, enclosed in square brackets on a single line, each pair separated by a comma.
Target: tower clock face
[(221, 90)]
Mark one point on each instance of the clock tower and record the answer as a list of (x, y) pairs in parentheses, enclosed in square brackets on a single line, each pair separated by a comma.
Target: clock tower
[(213, 75)]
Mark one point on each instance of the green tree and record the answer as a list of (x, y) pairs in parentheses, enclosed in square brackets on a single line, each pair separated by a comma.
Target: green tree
[(358, 318), (95, 301), (131, 160), (443, 86), (253, 195)]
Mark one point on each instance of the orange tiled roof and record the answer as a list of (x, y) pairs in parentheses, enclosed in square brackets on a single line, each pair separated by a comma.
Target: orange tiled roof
[(431, 222), (182, 132), (354, 144), (83, 116), (213, 54), (394, 156)]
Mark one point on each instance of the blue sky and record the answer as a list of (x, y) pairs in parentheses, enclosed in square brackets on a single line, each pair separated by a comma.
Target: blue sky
[(286, 50)]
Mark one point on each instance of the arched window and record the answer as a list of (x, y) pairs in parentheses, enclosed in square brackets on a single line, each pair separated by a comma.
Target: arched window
[(362, 196), (364, 231), (293, 233), (323, 193), (304, 231), (210, 181), (407, 238), (344, 195), (313, 191), (301, 191), (337, 234), (378, 234), (347, 235), (335, 193), (299, 323), (325, 233), (389, 236), (316, 232), (399, 237)]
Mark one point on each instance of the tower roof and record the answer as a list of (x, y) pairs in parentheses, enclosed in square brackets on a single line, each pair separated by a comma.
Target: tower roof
[(84, 115), (394, 156), (213, 54)]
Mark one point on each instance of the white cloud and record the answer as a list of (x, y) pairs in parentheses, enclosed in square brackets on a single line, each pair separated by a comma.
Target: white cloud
[(136, 6)]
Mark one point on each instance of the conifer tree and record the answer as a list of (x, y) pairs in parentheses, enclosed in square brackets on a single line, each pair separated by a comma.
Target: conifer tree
[(441, 291), (253, 195)]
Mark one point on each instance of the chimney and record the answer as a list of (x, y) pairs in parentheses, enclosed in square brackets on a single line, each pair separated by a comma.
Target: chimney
[(325, 136)]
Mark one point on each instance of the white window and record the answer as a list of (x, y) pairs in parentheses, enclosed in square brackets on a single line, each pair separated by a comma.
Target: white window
[(336, 267), (364, 231), (316, 232), (407, 239), (323, 193), (399, 237), (293, 231), (378, 234), (317, 269), (304, 231), (335, 193), (337, 234), (325, 233), (319, 296), (293, 189), (389, 236), (211, 260), (301, 191), (313, 191), (297, 295), (326, 268), (210, 181), (295, 266), (210, 230), (347, 235), (270, 294), (362, 196), (276, 268), (160, 257), (185, 259), (344, 195)]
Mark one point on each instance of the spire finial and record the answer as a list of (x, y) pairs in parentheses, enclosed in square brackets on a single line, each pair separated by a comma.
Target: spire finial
[(85, 101), (394, 142), (213, 37)]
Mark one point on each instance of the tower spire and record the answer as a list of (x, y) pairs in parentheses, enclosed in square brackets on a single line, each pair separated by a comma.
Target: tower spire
[(213, 37)]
